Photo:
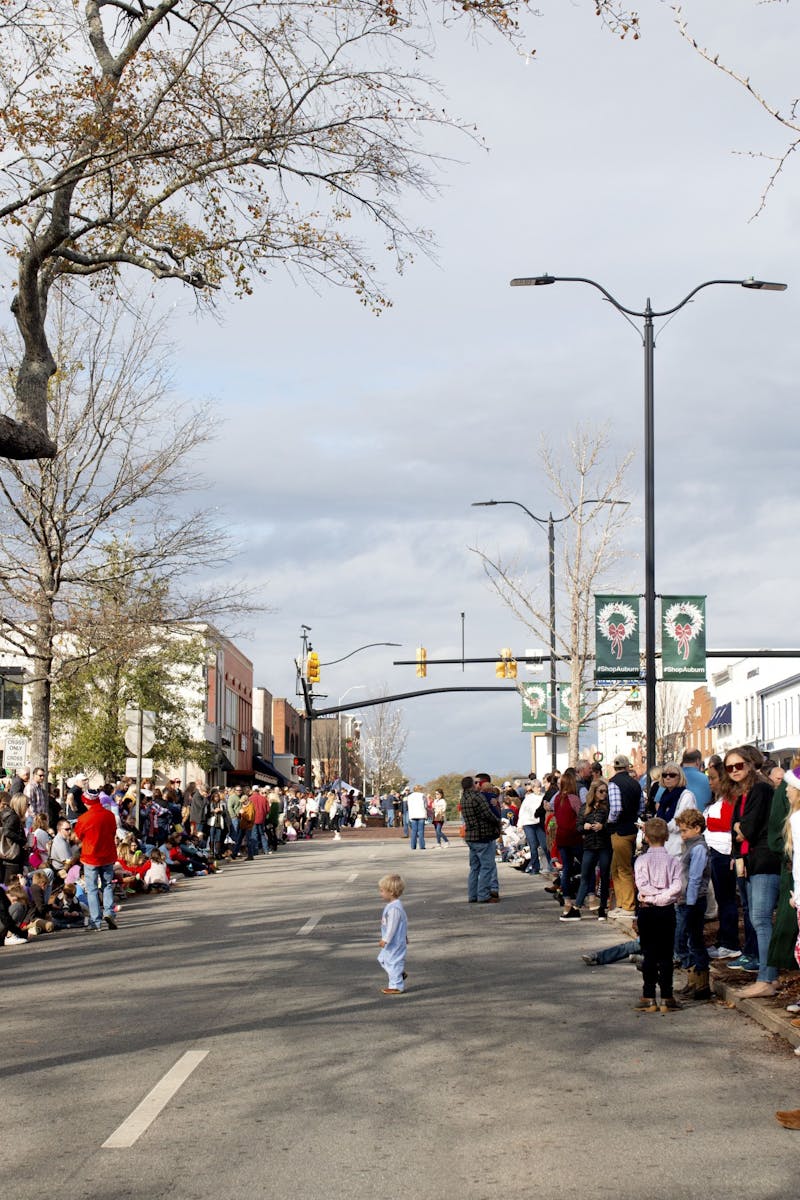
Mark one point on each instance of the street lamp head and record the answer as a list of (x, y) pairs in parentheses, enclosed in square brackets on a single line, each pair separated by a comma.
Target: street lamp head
[(483, 503), (763, 285), (533, 281)]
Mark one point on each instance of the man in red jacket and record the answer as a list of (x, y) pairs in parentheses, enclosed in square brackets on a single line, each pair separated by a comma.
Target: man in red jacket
[(95, 830)]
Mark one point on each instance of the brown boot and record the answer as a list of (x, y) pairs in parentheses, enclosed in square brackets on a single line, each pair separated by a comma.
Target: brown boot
[(691, 984), (702, 991), (789, 1119)]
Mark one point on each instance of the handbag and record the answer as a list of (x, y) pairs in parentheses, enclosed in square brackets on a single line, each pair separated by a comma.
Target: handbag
[(8, 849)]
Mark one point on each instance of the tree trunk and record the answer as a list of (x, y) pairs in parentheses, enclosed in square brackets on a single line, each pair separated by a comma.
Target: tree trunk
[(28, 436), (40, 686)]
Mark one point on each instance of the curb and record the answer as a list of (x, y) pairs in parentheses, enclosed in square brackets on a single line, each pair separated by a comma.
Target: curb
[(772, 1019), (768, 1017)]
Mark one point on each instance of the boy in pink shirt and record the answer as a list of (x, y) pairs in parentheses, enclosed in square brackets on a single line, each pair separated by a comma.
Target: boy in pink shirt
[(658, 883)]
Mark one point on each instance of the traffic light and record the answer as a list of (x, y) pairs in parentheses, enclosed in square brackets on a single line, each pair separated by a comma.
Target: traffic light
[(299, 765), (422, 664), (506, 668), (312, 667)]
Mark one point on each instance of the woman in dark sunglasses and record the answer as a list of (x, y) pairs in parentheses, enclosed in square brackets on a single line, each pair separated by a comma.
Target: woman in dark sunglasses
[(753, 859), (673, 800)]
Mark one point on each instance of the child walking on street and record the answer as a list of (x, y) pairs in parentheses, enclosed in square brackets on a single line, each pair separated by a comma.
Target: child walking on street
[(658, 882), (394, 934)]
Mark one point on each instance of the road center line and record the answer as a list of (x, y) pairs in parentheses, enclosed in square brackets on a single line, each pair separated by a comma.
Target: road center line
[(309, 925), (145, 1113)]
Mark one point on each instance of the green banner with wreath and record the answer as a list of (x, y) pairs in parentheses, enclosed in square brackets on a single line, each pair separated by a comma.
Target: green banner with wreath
[(616, 620), (683, 638)]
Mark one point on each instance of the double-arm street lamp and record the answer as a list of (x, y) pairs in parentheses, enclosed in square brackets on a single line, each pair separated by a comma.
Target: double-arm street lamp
[(648, 341), (550, 523)]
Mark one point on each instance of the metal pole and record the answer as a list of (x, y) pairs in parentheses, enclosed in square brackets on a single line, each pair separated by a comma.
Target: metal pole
[(551, 544), (649, 541)]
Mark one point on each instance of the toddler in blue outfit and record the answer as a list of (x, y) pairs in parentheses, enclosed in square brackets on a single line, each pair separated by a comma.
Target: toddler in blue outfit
[(394, 934)]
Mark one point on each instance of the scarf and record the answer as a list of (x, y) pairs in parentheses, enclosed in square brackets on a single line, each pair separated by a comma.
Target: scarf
[(668, 803)]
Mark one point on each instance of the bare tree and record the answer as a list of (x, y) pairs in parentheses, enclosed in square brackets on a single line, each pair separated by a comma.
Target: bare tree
[(326, 747), (592, 495), (105, 510), (672, 702), (204, 141), (384, 738), (786, 112)]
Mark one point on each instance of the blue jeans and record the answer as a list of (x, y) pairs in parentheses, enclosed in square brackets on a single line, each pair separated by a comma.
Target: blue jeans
[(97, 879), (592, 859), (417, 832), (681, 944), (482, 870), (440, 834), (536, 839), (618, 953), (750, 948), (762, 896), (694, 916)]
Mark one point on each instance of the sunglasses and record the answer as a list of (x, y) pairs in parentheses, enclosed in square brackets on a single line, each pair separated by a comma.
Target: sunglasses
[(737, 766), (670, 775)]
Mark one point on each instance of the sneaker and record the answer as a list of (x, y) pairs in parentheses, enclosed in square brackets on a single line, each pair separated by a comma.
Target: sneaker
[(553, 888), (742, 963), (722, 952), (793, 1008), (572, 914), (589, 959), (602, 915), (636, 959), (110, 922), (11, 939)]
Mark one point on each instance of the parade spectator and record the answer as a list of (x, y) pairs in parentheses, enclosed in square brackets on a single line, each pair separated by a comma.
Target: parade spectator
[(696, 780), (674, 799), (592, 824), (13, 840), (755, 861), (625, 801), (417, 813), (439, 817), (531, 820), (566, 807), (694, 883), (718, 839), (95, 830), (658, 882), (481, 831)]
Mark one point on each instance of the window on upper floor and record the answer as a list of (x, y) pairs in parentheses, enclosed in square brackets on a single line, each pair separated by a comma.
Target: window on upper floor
[(10, 697)]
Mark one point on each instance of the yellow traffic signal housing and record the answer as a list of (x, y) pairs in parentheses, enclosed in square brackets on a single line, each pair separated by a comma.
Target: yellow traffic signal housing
[(506, 668), (312, 667), (422, 665)]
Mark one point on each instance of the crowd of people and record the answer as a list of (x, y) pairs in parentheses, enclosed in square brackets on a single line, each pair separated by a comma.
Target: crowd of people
[(691, 844), (72, 861)]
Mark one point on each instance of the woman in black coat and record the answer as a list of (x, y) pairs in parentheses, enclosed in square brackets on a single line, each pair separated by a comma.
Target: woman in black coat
[(12, 833), (753, 859)]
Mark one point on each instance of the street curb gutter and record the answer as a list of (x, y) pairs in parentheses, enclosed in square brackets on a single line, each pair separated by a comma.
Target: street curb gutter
[(771, 1019)]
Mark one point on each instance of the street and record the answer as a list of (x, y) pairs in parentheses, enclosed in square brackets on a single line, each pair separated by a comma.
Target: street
[(508, 1069)]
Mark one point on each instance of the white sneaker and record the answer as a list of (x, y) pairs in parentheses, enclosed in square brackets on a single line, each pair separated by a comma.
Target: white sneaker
[(11, 939), (337, 837), (723, 952)]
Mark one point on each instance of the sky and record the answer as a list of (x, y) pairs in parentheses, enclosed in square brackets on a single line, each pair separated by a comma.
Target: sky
[(350, 448)]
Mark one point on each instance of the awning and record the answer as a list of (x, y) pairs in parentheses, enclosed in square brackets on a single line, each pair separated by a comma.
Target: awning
[(222, 762), (266, 772), (721, 716)]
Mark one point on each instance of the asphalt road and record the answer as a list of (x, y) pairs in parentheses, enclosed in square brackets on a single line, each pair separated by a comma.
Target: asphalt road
[(507, 1070)]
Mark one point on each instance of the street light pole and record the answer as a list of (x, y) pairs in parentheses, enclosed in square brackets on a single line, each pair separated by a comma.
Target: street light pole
[(551, 547), (648, 342)]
